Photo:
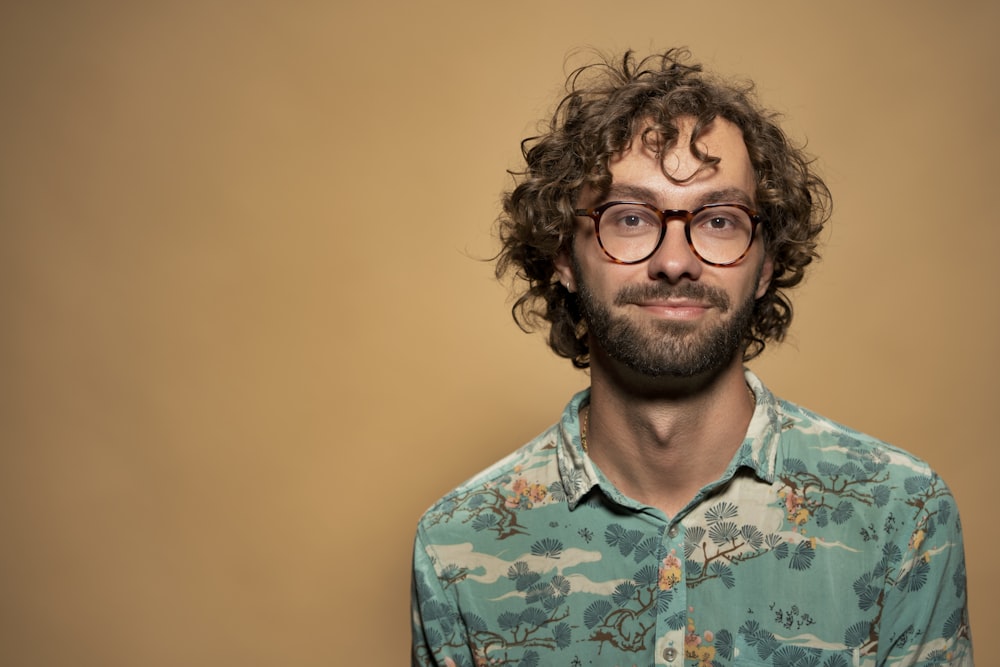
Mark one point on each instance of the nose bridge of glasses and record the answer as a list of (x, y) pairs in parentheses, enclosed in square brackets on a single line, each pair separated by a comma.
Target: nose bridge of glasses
[(677, 214), (679, 240), (685, 217)]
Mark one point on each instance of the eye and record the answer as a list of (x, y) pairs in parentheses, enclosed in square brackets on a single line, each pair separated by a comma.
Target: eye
[(721, 221), (630, 218)]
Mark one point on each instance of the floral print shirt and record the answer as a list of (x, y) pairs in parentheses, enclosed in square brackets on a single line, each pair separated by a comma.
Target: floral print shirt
[(818, 547)]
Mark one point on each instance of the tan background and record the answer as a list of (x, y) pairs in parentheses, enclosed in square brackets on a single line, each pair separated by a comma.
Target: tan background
[(246, 339)]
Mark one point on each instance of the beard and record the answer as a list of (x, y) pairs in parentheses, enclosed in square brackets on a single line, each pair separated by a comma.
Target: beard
[(664, 347)]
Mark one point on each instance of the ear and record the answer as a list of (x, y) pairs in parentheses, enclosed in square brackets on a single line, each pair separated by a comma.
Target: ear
[(564, 270), (766, 273)]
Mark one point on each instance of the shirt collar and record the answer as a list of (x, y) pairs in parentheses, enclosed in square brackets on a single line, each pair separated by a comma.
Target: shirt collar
[(758, 453)]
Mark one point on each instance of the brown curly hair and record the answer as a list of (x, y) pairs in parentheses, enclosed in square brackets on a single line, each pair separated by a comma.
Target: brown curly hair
[(605, 105)]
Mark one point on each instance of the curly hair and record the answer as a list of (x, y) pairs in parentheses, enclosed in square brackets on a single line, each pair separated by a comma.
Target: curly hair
[(606, 104)]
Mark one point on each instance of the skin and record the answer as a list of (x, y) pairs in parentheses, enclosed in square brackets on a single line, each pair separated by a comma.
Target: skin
[(661, 437)]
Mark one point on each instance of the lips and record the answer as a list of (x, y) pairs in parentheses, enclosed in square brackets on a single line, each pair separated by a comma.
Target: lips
[(674, 303), (683, 310)]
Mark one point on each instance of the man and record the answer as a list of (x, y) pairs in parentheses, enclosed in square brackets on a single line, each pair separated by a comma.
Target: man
[(679, 513)]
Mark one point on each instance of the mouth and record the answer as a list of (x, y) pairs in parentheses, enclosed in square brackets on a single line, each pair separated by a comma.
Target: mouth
[(674, 309)]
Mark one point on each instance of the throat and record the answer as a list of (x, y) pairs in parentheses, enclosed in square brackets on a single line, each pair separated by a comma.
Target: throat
[(663, 457)]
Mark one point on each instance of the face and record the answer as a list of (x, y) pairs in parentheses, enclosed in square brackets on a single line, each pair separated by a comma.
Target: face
[(671, 315)]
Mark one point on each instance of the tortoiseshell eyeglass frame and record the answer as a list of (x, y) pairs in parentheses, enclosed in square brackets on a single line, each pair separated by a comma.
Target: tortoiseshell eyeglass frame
[(665, 215)]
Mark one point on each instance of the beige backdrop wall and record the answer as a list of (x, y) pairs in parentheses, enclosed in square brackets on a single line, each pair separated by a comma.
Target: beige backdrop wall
[(246, 338)]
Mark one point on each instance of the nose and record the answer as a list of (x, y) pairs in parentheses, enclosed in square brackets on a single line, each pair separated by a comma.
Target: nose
[(674, 260)]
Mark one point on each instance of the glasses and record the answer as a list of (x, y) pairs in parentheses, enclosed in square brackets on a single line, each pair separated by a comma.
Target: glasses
[(630, 232)]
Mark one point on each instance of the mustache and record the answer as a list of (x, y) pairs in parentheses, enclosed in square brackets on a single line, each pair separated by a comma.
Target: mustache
[(661, 291)]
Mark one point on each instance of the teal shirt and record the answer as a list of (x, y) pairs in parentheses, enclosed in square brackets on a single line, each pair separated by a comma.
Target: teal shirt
[(819, 547)]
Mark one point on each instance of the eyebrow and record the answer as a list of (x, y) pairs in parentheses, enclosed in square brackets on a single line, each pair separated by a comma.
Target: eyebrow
[(728, 196), (625, 191)]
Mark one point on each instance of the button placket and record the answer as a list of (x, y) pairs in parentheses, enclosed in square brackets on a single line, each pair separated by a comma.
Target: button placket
[(669, 650)]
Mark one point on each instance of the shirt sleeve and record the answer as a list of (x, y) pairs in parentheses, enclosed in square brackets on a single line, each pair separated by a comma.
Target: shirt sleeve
[(925, 620), (439, 637)]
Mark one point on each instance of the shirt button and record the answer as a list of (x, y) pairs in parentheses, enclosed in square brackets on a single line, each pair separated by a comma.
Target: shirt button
[(670, 654), (673, 533)]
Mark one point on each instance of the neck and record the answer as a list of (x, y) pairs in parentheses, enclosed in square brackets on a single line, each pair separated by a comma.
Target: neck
[(660, 440)]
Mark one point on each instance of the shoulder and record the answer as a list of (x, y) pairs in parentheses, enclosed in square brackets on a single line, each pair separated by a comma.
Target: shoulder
[(533, 464), (860, 476), (805, 433)]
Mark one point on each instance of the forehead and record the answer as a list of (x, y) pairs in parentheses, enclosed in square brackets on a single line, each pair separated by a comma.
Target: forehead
[(677, 177)]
